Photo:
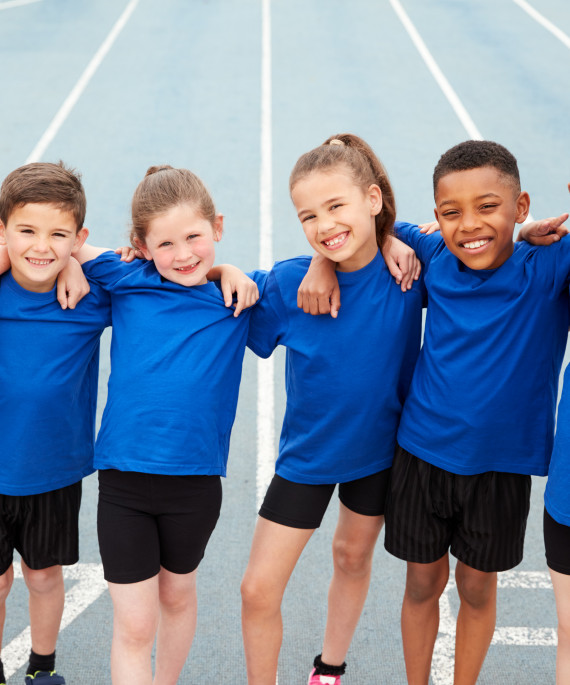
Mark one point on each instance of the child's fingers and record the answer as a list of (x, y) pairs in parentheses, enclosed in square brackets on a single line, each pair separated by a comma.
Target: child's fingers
[(227, 293), (239, 306), (62, 294), (335, 302)]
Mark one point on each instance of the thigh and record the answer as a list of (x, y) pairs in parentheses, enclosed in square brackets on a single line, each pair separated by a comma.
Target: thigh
[(189, 510), (298, 505), (557, 545), (356, 534), (493, 509), (127, 529), (418, 510), (366, 496), (48, 534)]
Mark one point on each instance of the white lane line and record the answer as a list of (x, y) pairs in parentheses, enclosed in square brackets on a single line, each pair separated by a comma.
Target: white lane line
[(81, 84), (440, 78), (520, 636), (265, 367), (541, 19), (15, 3), (436, 72), (90, 586)]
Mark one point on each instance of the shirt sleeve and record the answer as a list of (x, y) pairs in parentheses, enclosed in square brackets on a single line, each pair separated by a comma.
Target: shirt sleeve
[(425, 246), (268, 321), (107, 269), (552, 262)]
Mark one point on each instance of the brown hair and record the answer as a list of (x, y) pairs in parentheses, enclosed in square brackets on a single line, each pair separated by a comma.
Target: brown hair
[(162, 188), (358, 157), (43, 182)]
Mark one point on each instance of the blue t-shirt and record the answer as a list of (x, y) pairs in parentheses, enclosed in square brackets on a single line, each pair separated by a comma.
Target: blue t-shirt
[(48, 387), (483, 396), (176, 359), (556, 495), (346, 378)]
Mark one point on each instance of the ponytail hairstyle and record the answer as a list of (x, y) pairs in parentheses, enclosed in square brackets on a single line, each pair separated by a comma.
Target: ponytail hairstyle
[(353, 154), (163, 188)]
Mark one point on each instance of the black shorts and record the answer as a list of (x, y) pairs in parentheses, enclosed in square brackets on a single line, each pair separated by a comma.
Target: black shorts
[(557, 545), (299, 505), (147, 521), (480, 518), (44, 528)]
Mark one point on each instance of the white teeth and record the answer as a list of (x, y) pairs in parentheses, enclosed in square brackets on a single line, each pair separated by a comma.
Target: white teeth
[(475, 244), (40, 262), (335, 241)]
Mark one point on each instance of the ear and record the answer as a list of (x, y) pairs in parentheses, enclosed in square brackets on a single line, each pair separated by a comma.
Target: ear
[(436, 214), (375, 197), (2, 233), (523, 207), (218, 227), (139, 245), (80, 239)]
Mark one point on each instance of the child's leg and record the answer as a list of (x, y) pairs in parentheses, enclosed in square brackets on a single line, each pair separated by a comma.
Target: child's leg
[(135, 622), (561, 584), (47, 596), (6, 580), (475, 621), (420, 616), (274, 552), (353, 548), (177, 624)]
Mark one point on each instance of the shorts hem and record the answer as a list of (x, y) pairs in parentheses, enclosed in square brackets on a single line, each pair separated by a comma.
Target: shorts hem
[(558, 568), (363, 511), (285, 521), (488, 568), (413, 558), (128, 580)]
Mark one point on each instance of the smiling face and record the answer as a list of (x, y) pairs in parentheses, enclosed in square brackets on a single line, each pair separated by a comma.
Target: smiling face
[(477, 210), (338, 217), (181, 244), (40, 238)]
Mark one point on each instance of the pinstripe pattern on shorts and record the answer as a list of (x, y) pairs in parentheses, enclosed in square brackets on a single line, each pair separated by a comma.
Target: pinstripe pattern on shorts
[(481, 518)]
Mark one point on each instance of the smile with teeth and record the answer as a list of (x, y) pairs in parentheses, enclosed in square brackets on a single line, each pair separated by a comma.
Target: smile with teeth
[(188, 268), (474, 244), (39, 262), (337, 240)]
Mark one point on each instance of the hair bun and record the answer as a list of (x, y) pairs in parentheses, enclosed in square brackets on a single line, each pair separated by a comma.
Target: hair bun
[(154, 169)]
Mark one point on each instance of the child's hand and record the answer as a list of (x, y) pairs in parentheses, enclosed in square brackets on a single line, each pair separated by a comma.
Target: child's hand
[(429, 228), (319, 292), (545, 231), (233, 280), (72, 285), (402, 262), (129, 253)]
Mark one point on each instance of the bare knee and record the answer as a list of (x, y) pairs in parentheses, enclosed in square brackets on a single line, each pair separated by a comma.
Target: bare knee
[(6, 580), (44, 581), (352, 559), (426, 582), (259, 596), (177, 599), (475, 588)]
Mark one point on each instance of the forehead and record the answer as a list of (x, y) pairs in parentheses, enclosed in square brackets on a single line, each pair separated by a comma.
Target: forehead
[(473, 183), (320, 183), (43, 214), (179, 218)]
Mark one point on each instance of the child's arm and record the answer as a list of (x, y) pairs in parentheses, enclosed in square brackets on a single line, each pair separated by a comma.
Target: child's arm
[(544, 231), (319, 292), (72, 285), (402, 262), (233, 280)]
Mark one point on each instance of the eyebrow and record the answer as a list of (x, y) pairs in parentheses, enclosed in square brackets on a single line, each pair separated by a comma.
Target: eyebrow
[(61, 230), (326, 202), (479, 197)]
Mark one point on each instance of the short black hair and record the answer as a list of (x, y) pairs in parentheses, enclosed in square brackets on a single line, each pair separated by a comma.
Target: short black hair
[(474, 154)]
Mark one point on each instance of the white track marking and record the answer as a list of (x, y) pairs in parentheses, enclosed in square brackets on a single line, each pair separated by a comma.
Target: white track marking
[(15, 3), (440, 78), (436, 72), (543, 21), (81, 84), (90, 586), (265, 367), (444, 652)]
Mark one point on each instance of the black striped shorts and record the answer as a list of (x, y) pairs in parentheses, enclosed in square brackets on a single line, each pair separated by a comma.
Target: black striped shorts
[(480, 518), (557, 544), (43, 528)]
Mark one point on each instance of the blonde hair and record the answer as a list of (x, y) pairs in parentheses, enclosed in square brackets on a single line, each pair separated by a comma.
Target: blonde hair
[(350, 151), (162, 188)]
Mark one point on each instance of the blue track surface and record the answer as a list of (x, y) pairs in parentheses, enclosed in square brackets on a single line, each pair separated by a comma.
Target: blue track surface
[(182, 84)]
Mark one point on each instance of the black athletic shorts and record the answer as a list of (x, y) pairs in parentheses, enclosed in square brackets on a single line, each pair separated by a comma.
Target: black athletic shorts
[(299, 505), (557, 545), (481, 518), (147, 521), (44, 528)]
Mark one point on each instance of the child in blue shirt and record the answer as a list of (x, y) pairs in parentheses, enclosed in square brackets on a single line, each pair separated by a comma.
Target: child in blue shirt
[(346, 380), (176, 358), (48, 380)]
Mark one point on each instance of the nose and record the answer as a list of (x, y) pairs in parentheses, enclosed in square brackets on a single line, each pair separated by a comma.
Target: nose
[(469, 222), (183, 253), (41, 244), (326, 223)]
